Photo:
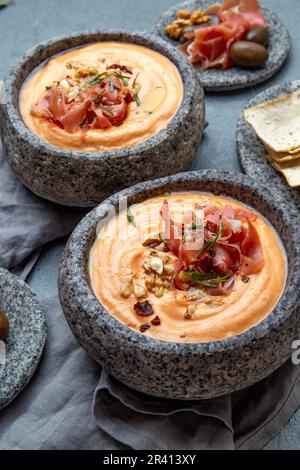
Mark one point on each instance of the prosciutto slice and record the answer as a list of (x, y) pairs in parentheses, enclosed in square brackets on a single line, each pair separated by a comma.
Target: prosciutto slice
[(100, 106), (209, 46), (230, 245)]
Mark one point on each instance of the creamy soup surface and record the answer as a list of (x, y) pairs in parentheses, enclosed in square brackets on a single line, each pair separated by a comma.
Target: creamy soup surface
[(153, 76), (119, 256)]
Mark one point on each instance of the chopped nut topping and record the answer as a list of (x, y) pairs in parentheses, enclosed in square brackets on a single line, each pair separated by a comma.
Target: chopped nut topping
[(174, 31), (190, 312), (156, 321), (199, 17), (159, 292), (183, 14), (127, 288), (183, 23), (216, 302), (86, 72), (139, 291), (150, 282), (169, 269), (156, 264), (184, 20), (195, 294)]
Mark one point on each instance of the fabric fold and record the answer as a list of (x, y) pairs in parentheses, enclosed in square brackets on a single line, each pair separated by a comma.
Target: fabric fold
[(27, 221)]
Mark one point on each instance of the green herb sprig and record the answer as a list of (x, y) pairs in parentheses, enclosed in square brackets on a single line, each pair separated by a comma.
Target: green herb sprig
[(105, 108), (210, 244), (97, 79), (206, 279), (135, 80), (123, 78), (137, 99), (130, 217), (163, 239)]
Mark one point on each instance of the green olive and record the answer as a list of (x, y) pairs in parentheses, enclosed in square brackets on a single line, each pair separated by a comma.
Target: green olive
[(4, 326), (259, 35), (248, 54)]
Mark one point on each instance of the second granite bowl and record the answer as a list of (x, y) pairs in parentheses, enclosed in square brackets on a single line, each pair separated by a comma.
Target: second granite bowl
[(81, 178), (177, 370)]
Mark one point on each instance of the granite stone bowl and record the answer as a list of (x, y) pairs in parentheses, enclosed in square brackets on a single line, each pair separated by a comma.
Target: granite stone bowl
[(83, 179), (176, 370), (21, 354)]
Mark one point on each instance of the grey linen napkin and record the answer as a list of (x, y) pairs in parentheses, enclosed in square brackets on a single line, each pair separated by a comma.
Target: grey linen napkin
[(55, 410), (28, 222), (243, 420)]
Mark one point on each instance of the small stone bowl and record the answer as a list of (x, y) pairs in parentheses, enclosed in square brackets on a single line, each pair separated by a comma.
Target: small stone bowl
[(83, 179), (176, 370)]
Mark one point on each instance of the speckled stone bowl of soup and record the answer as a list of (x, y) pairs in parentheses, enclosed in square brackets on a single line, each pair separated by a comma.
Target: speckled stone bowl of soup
[(186, 287), (92, 113)]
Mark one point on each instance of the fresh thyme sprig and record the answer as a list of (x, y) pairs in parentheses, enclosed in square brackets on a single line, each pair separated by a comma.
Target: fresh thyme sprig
[(97, 79), (137, 99), (105, 108), (130, 217), (134, 81), (206, 279), (123, 78), (163, 239), (210, 244)]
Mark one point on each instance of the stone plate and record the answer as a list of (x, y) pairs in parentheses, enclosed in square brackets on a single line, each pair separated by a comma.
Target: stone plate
[(236, 77), (26, 338), (251, 151)]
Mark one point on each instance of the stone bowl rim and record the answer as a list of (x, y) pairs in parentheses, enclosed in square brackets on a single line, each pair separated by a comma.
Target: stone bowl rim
[(127, 335), (147, 40)]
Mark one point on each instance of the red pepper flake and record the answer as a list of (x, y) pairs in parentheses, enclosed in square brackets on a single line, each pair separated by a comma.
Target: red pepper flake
[(120, 67), (156, 321), (144, 327), (245, 279), (143, 308)]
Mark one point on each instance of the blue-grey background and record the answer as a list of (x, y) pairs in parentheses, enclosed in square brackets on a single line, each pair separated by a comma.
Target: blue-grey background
[(24, 23)]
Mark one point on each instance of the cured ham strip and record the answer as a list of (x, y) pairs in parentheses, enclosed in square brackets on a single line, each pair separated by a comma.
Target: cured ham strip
[(99, 106), (249, 5), (72, 119), (169, 231), (231, 246), (251, 249), (210, 46)]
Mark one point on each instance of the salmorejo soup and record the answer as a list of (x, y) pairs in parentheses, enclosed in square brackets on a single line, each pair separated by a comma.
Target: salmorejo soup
[(188, 267), (101, 97)]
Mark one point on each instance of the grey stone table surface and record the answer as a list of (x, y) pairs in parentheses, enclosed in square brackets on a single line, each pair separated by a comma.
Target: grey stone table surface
[(27, 22)]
